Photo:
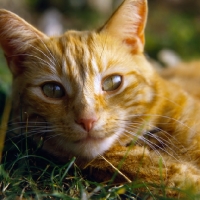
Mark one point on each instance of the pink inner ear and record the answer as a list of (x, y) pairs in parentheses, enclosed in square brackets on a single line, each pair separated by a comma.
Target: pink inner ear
[(138, 40), (143, 15)]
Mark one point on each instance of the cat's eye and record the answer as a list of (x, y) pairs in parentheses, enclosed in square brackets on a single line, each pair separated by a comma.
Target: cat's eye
[(53, 90), (112, 83)]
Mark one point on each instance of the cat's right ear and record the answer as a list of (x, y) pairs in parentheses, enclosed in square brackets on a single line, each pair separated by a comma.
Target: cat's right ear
[(16, 36), (127, 24)]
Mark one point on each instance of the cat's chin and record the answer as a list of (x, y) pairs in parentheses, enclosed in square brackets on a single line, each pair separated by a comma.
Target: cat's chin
[(90, 147)]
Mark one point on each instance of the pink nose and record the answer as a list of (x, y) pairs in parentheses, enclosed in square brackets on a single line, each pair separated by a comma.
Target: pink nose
[(87, 124)]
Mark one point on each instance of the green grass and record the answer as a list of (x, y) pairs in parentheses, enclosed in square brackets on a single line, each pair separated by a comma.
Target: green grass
[(5, 82), (5, 75), (27, 172), (172, 29), (28, 175)]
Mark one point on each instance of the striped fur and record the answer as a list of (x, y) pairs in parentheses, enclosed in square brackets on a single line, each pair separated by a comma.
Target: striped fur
[(80, 62)]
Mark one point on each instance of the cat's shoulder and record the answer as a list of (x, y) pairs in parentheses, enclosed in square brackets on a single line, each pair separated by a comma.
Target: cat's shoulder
[(185, 74)]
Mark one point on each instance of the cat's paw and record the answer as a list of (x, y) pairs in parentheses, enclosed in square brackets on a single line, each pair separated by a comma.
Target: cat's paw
[(185, 177)]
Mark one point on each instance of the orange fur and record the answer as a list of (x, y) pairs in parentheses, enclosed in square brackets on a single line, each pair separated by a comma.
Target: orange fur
[(186, 75), (79, 118)]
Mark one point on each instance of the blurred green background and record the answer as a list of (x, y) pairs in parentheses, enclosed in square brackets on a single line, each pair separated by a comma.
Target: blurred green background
[(172, 24)]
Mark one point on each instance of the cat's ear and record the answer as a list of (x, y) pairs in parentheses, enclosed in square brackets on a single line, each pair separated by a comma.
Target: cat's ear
[(128, 24), (16, 36)]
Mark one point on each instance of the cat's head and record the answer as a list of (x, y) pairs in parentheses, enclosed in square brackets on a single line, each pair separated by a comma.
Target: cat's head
[(82, 91)]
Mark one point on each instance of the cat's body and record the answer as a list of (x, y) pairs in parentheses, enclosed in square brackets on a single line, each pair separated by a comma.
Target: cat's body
[(186, 75), (94, 93)]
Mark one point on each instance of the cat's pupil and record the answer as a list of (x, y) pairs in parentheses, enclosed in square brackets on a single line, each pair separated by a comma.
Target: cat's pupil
[(53, 90), (112, 83)]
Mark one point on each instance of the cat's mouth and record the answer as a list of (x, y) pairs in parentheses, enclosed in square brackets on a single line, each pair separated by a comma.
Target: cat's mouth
[(89, 139)]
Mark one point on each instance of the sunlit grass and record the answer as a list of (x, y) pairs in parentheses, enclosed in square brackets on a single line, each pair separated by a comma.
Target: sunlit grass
[(27, 175), (26, 172)]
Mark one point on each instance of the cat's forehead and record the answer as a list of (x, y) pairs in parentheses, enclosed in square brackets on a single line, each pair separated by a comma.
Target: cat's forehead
[(93, 52), (85, 46), (78, 55)]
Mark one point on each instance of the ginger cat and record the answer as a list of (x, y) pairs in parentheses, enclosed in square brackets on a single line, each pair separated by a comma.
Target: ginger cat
[(186, 75), (93, 93)]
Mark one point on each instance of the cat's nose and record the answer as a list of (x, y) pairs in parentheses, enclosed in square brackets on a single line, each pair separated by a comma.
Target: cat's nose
[(87, 124)]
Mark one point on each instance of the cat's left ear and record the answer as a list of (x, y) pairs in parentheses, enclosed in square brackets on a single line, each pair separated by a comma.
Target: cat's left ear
[(128, 23), (16, 38)]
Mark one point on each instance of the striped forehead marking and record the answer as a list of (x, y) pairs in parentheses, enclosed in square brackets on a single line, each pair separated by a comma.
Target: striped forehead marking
[(80, 64)]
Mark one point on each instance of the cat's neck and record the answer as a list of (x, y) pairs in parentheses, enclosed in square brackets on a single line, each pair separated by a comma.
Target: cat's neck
[(179, 107)]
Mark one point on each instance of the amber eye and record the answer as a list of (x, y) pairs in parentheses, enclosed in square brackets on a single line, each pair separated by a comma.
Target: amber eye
[(111, 83), (53, 90)]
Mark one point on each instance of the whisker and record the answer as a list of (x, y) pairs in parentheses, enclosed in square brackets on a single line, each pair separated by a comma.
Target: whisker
[(33, 122), (42, 60), (151, 143), (27, 127), (43, 54), (51, 137), (169, 100), (142, 138), (31, 133), (168, 137), (47, 49), (55, 60), (161, 140), (163, 116), (164, 143), (148, 144)]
